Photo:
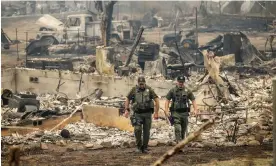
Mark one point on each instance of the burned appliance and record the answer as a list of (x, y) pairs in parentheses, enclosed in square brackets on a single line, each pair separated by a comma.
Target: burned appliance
[(147, 52), (24, 102)]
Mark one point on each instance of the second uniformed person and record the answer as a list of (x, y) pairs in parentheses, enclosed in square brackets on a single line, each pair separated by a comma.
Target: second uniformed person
[(180, 107), (142, 97)]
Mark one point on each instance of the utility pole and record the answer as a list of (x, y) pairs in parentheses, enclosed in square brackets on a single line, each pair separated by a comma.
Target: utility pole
[(196, 42), (26, 51), (17, 45), (266, 15), (118, 11), (131, 12), (220, 8)]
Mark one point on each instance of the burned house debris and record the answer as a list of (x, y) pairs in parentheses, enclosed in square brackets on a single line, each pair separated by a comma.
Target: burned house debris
[(230, 43), (48, 64), (67, 91), (6, 41), (79, 28), (147, 52)]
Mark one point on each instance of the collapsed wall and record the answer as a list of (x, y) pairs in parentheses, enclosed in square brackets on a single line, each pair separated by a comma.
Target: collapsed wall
[(8, 79), (72, 83)]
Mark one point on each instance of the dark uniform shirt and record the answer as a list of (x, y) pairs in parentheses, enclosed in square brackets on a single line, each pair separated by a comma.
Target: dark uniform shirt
[(171, 94), (132, 92)]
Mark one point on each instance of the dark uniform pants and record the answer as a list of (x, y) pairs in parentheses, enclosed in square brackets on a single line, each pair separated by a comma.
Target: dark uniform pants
[(180, 124), (143, 125)]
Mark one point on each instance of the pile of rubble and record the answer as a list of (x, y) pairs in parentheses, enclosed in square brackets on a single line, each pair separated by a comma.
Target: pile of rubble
[(244, 120), (258, 93), (59, 104), (89, 134)]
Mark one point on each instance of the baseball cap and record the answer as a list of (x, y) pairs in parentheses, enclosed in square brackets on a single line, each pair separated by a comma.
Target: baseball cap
[(141, 79), (181, 79)]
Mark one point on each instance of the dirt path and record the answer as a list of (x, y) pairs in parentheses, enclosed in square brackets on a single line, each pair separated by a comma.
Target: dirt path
[(125, 156)]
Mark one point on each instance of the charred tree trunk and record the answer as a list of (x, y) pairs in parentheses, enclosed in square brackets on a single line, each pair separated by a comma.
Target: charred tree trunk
[(106, 10)]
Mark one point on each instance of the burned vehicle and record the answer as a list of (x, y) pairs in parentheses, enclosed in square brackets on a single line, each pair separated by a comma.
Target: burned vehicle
[(184, 45), (188, 40), (78, 28)]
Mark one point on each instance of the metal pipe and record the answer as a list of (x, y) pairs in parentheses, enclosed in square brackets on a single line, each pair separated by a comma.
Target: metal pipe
[(78, 41), (274, 120)]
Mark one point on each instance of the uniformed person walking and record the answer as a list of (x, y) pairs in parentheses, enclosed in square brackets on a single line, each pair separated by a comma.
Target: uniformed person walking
[(180, 107), (142, 97)]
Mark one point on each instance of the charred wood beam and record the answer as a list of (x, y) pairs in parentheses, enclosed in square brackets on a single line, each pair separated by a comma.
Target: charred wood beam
[(181, 144), (136, 42)]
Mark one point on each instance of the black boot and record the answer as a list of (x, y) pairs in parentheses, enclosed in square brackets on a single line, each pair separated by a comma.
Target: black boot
[(145, 150), (139, 150)]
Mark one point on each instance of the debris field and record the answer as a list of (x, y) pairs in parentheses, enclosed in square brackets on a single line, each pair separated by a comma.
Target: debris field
[(65, 76)]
